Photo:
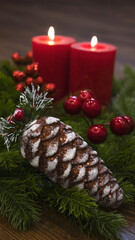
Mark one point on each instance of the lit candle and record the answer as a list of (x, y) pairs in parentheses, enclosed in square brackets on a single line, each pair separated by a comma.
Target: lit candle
[(91, 67), (53, 55)]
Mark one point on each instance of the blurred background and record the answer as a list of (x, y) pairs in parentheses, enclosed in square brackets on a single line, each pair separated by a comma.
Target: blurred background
[(111, 21)]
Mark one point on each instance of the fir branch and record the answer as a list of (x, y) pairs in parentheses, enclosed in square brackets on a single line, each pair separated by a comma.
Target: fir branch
[(18, 207), (84, 212)]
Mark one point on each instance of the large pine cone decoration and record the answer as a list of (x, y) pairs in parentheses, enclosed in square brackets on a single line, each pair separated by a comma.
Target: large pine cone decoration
[(66, 158)]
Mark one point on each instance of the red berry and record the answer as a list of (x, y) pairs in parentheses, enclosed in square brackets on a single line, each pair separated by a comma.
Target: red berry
[(119, 126), (18, 76), (10, 120), (29, 70), (97, 133), (50, 87), (131, 123), (85, 95), (92, 108), (29, 81), (29, 55), (15, 56), (35, 68), (39, 80), (72, 105), (18, 114), (20, 87), (32, 69)]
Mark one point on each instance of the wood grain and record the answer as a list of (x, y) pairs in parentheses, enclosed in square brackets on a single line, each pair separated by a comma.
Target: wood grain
[(113, 22)]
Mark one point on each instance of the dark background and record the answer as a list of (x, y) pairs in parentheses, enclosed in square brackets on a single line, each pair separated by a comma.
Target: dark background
[(112, 22)]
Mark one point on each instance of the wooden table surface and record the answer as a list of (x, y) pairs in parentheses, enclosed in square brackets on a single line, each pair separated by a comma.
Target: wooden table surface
[(113, 22)]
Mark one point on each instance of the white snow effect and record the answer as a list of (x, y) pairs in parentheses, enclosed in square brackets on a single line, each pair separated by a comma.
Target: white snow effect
[(106, 191), (50, 120), (81, 174), (92, 174), (69, 137), (94, 188), (97, 197), (80, 186), (83, 145), (116, 186), (83, 158), (31, 131), (103, 170), (35, 162), (52, 149), (65, 184), (22, 151), (32, 123), (52, 165), (93, 152), (94, 161), (113, 198), (54, 178), (53, 133), (69, 155), (120, 197), (68, 127), (66, 172), (105, 181), (35, 146)]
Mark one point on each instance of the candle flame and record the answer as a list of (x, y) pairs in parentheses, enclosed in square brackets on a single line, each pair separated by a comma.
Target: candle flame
[(94, 41), (51, 33)]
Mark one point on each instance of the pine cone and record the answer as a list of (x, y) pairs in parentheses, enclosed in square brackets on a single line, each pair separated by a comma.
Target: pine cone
[(66, 158)]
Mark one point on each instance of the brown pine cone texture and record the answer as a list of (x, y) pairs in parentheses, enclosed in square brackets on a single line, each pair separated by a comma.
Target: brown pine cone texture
[(55, 149)]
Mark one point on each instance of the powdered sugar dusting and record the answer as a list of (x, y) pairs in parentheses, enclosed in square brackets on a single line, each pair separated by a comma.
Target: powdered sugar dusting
[(81, 174), (66, 172), (50, 120), (69, 155), (53, 133), (35, 162), (52, 149), (52, 165), (92, 174)]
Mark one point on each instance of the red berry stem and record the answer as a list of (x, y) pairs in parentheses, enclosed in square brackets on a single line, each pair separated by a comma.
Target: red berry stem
[(86, 120), (106, 124)]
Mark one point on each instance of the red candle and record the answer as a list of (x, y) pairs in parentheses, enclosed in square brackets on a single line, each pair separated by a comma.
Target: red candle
[(53, 55), (91, 67)]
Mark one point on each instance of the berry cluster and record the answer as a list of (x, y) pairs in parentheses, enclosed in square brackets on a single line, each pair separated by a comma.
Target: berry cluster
[(23, 60), (31, 76), (18, 116), (91, 108)]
